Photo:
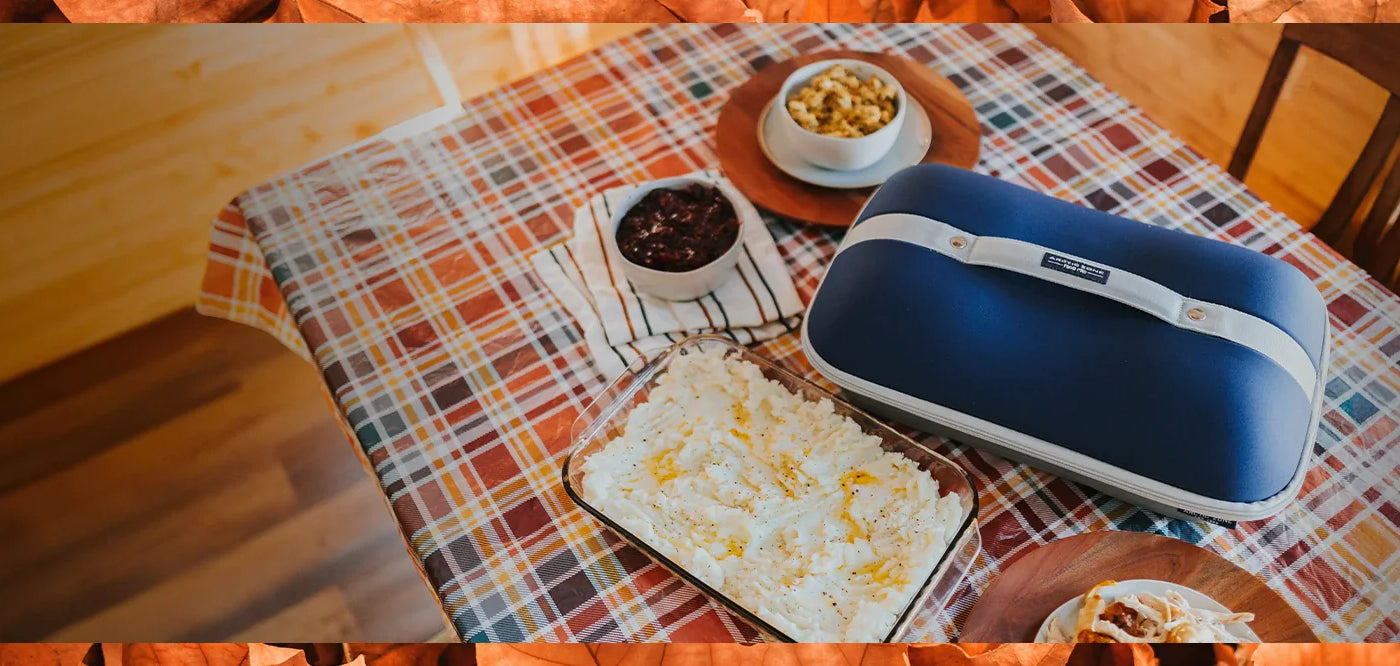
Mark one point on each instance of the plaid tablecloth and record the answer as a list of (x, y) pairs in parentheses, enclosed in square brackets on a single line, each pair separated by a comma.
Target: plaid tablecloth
[(401, 268)]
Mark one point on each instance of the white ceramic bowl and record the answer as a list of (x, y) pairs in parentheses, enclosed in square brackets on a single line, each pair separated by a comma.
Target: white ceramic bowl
[(832, 152), (688, 285)]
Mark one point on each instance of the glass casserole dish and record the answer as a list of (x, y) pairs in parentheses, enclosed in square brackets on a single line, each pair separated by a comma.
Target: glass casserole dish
[(606, 417)]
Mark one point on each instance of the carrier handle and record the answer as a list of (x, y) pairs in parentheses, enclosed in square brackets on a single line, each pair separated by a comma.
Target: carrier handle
[(1096, 278)]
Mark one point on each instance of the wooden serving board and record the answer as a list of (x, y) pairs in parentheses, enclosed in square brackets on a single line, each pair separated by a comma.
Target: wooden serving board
[(1036, 583), (957, 137)]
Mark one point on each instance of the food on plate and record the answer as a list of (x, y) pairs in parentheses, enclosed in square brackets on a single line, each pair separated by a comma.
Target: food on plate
[(1146, 618), (778, 502), (838, 103), (678, 230)]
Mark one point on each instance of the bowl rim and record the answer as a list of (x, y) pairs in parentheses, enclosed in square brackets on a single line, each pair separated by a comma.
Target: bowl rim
[(647, 371), (901, 97), (671, 183)]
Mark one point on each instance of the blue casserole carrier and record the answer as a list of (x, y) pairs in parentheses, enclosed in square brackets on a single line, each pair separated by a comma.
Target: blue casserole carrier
[(1178, 372)]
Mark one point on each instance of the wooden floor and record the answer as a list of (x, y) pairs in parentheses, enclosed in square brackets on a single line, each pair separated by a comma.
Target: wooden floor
[(129, 138), (185, 479)]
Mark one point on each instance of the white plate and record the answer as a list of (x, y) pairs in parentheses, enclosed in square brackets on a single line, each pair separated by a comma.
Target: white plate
[(910, 147), (1068, 612)]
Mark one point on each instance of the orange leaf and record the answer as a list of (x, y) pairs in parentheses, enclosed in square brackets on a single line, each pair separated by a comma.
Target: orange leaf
[(709, 11), (779, 11), (1314, 654), (1315, 11), (43, 654), (185, 654), (160, 11), (1006, 654), (15, 10), (538, 654), (287, 12), (262, 654), (1066, 11), (1203, 10), (835, 11), (322, 11), (1030, 10), (1132, 11), (1025, 11), (413, 654), (513, 11), (963, 11)]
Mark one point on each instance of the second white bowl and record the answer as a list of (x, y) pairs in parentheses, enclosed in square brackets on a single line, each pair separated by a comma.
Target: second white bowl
[(687, 285)]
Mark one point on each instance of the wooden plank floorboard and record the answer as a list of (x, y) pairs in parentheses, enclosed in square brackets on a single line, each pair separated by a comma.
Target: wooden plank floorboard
[(124, 564), (150, 472), (85, 406), (195, 603), (388, 606), (147, 516), (351, 553), (325, 613)]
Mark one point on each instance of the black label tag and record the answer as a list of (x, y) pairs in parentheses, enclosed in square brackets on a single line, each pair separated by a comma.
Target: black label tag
[(1228, 524), (1074, 267)]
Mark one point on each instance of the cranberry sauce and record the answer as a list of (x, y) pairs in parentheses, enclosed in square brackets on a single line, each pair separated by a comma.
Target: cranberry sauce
[(678, 230)]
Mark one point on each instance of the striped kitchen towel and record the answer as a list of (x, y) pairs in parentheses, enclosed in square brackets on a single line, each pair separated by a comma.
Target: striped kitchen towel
[(621, 325)]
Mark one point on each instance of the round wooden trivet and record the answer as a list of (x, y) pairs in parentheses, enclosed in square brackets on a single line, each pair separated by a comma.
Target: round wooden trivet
[(957, 137), (1036, 583)]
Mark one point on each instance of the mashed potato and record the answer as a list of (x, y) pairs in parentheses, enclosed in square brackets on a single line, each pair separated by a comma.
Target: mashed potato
[(783, 505)]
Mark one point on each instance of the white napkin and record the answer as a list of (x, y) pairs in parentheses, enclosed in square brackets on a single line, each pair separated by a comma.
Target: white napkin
[(620, 325)]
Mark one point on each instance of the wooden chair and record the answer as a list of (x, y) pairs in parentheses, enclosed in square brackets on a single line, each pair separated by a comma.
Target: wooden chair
[(1374, 52)]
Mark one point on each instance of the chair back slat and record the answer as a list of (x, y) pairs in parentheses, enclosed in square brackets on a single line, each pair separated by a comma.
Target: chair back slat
[(1374, 52), (1333, 224), (1371, 50), (1382, 233), (1264, 103)]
